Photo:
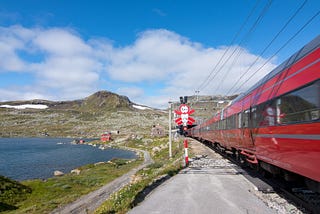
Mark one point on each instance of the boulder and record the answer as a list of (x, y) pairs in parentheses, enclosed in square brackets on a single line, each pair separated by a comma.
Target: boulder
[(58, 173), (99, 163), (76, 171), (156, 149)]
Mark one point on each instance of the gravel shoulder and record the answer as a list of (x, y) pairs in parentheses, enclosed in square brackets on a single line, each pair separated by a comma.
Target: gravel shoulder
[(91, 201)]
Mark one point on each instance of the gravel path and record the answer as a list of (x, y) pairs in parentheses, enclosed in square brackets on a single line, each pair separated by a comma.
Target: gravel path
[(90, 202)]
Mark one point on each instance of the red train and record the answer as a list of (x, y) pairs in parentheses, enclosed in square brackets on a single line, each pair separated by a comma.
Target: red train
[(275, 125)]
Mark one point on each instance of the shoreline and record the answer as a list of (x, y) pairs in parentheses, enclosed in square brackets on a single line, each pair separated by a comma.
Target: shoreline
[(65, 168)]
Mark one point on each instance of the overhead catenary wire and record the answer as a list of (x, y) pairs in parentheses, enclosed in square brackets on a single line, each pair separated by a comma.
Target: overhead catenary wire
[(201, 86), (270, 43), (244, 39), (283, 46)]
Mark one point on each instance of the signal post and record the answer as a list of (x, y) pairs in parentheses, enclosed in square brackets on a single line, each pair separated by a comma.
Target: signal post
[(183, 121)]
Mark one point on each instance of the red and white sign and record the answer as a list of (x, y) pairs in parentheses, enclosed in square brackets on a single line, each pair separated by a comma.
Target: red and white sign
[(184, 112)]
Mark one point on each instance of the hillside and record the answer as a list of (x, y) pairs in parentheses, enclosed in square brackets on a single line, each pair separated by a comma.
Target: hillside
[(11, 192), (93, 115), (88, 117)]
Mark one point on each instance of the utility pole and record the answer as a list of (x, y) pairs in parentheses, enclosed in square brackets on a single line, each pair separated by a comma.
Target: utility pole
[(197, 94), (170, 133)]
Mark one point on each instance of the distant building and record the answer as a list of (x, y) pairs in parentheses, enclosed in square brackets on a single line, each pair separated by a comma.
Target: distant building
[(105, 137), (157, 131)]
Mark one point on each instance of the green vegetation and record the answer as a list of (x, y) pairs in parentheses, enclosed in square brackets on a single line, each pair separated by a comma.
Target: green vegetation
[(42, 196), (147, 178), (11, 193)]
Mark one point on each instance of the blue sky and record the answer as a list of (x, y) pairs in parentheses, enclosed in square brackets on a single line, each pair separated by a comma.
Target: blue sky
[(149, 50)]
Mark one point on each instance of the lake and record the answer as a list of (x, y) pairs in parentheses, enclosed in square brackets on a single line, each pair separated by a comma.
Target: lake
[(31, 158)]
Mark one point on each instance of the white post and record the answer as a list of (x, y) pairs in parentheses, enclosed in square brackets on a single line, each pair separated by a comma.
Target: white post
[(170, 137)]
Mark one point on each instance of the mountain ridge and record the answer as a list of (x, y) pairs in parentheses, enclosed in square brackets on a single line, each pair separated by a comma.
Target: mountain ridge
[(98, 99), (87, 117)]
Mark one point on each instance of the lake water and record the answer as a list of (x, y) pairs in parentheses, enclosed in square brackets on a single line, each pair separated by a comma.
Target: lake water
[(30, 158)]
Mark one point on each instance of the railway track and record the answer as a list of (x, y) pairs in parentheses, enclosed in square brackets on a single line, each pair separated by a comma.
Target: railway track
[(305, 200)]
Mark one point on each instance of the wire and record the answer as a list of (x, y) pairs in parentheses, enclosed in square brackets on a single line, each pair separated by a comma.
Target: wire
[(251, 30), (308, 22), (231, 43), (270, 43)]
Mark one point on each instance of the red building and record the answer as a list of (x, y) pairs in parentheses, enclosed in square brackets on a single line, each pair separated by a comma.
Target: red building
[(105, 137)]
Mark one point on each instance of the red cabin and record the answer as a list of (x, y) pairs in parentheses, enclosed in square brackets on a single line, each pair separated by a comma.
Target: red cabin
[(105, 137)]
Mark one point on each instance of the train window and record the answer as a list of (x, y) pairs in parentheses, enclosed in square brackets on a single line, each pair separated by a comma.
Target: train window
[(245, 118), (265, 115), (223, 124), (254, 116), (231, 122), (299, 106), (239, 120)]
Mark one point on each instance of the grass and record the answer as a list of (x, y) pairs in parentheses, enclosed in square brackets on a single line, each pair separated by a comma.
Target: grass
[(11, 192), (48, 194), (147, 178)]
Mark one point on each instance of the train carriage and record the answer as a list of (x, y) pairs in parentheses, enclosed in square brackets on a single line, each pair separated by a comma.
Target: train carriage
[(275, 124)]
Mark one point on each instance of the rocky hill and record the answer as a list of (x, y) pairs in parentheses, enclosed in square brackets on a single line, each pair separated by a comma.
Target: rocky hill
[(88, 117)]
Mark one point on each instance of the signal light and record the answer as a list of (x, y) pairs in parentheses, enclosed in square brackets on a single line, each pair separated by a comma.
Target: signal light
[(183, 100), (182, 130)]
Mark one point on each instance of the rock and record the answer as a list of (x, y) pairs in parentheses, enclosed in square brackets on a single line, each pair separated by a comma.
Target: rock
[(135, 179), (76, 171), (58, 173), (156, 149), (99, 163), (146, 141)]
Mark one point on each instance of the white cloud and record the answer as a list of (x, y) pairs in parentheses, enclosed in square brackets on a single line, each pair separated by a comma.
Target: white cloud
[(61, 42), (65, 65), (132, 92), (22, 93), (155, 55), (10, 41), (162, 64), (182, 65)]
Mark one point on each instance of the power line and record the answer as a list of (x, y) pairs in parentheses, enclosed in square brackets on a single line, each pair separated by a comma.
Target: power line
[(225, 52), (253, 27), (309, 21), (270, 43)]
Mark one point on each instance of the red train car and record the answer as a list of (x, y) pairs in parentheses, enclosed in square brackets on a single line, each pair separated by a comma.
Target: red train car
[(275, 125)]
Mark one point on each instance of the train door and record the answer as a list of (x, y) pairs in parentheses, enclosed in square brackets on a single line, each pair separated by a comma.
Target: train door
[(245, 128)]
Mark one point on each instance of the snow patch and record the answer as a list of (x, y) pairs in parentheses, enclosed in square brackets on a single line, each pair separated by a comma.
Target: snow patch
[(33, 106), (140, 107)]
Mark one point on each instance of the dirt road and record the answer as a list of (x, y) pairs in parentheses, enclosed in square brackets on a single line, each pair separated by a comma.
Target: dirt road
[(90, 202)]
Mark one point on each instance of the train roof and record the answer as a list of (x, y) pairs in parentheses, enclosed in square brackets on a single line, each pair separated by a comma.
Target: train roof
[(305, 50)]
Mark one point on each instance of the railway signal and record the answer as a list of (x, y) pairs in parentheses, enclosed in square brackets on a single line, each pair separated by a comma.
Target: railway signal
[(184, 111), (184, 122)]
